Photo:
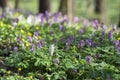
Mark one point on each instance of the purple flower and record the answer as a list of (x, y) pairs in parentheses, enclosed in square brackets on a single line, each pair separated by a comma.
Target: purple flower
[(56, 17), (19, 39), (68, 44), (81, 31), (65, 20), (88, 59), (47, 14), (118, 48), (88, 42), (85, 23), (81, 43), (101, 39), (94, 44), (29, 38), (116, 42), (103, 33), (39, 44), (62, 39), (102, 36), (76, 19), (110, 34), (3, 15), (15, 49), (32, 47), (50, 23), (36, 33), (95, 24), (71, 38), (61, 27), (42, 19)]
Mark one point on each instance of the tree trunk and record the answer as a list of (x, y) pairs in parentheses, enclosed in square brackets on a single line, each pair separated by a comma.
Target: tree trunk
[(67, 8), (3, 4), (119, 21), (17, 4), (100, 10), (89, 7), (70, 10), (63, 7), (44, 5), (98, 6)]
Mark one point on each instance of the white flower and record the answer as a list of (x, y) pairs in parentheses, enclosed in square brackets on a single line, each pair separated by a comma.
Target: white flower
[(52, 49), (30, 19)]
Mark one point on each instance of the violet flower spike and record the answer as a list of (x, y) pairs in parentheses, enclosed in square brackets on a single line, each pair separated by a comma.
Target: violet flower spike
[(19, 39), (118, 50), (50, 23), (81, 31), (116, 43), (40, 44), (42, 20), (88, 41), (47, 14), (36, 33), (15, 49), (110, 34), (29, 38), (68, 44), (71, 38), (81, 43), (32, 47), (76, 19), (95, 24), (88, 59), (61, 27), (102, 37), (56, 17)]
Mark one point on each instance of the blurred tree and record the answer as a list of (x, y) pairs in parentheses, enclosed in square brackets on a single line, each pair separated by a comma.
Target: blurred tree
[(70, 12), (119, 17), (67, 8), (63, 7), (89, 7), (3, 4), (17, 4), (44, 5), (119, 21), (100, 10), (98, 6)]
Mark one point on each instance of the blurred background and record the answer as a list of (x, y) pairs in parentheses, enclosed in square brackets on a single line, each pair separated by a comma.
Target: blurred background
[(107, 11)]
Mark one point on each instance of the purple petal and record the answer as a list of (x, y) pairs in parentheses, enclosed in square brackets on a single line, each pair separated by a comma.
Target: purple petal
[(32, 47), (116, 42), (88, 59), (15, 49), (110, 34)]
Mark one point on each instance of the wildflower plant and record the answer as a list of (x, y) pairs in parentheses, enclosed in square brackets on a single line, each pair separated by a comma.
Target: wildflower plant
[(47, 47)]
